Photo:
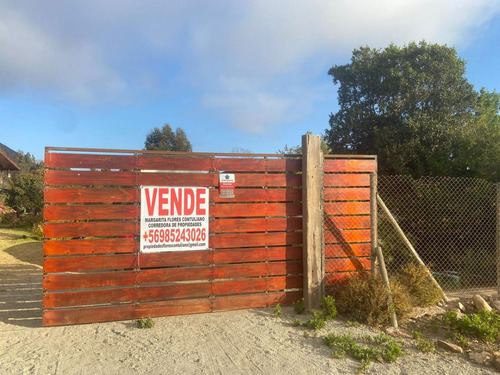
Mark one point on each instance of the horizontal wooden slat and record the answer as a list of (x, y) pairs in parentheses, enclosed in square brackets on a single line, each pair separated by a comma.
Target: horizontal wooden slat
[(174, 163), (347, 208), (255, 225), (212, 179), (347, 250), (173, 291), (250, 301), (174, 258), (174, 274), (346, 179), (88, 280), (88, 297), (257, 285), (175, 307), (230, 165), (177, 179), (67, 160), (91, 212), (274, 179), (221, 241), (347, 264), (257, 254), (347, 236), (93, 229), (341, 278), (347, 222), (87, 315), (346, 194), (256, 209), (91, 195), (350, 165), (89, 263), (259, 194), (89, 246), (257, 269), (85, 178)]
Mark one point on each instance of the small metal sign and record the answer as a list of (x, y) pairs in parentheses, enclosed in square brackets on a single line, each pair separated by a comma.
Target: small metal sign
[(226, 185)]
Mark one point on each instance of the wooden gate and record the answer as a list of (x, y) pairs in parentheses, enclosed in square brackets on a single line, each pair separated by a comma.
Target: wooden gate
[(94, 272)]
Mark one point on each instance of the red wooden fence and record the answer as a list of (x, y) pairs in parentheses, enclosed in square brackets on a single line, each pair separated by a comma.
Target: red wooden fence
[(347, 220), (93, 270)]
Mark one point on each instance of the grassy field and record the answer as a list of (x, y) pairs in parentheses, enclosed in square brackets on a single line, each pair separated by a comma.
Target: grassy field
[(20, 244)]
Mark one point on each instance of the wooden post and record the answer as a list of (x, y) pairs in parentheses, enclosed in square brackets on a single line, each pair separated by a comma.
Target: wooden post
[(374, 222), (498, 238), (408, 244), (385, 279), (312, 221)]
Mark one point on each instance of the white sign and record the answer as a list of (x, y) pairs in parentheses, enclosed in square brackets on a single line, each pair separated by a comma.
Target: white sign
[(174, 218), (226, 185)]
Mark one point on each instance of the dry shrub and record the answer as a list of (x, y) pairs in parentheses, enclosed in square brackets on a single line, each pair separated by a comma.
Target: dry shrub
[(419, 285), (364, 298)]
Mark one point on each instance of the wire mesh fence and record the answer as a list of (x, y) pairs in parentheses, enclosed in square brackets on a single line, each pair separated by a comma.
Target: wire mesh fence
[(451, 223)]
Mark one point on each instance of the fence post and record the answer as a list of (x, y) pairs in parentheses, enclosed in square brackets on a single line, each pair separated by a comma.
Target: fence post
[(313, 247), (498, 237)]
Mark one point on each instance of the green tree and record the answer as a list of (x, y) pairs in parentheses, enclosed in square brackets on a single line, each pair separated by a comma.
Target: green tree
[(165, 139), (478, 153), (407, 105), (298, 149), (25, 187)]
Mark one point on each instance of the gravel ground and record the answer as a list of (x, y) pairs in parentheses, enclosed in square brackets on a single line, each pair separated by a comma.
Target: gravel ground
[(234, 342)]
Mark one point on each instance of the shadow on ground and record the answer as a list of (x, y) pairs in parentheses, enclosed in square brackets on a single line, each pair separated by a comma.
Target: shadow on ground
[(21, 285)]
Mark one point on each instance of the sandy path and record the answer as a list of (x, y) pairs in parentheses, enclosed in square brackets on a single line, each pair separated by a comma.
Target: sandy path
[(236, 342)]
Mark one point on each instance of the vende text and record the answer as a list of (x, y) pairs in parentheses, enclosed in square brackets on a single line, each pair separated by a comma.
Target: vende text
[(178, 201)]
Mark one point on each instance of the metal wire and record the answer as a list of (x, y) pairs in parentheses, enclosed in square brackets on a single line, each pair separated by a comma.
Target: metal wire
[(451, 222)]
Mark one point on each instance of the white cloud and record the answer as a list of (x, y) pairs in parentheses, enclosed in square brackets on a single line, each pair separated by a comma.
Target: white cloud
[(248, 60)]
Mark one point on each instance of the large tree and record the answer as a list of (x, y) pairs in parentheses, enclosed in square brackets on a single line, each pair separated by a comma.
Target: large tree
[(409, 105), (165, 139)]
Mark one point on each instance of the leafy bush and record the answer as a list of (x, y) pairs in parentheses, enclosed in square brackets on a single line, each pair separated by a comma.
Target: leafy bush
[(364, 298), (328, 308), (378, 348), (483, 325), (419, 285), (37, 231), (425, 346), (299, 306), (317, 321), (277, 311), (145, 323)]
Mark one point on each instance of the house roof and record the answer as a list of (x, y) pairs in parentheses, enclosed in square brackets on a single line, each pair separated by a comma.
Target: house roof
[(6, 164)]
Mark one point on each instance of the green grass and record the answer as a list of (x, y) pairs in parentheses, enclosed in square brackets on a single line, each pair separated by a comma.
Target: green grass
[(14, 236)]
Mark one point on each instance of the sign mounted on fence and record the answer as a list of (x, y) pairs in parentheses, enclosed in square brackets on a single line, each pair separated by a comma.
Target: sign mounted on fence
[(226, 185), (174, 218)]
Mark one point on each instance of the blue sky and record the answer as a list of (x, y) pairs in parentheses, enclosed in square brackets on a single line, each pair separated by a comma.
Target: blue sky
[(233, 74)]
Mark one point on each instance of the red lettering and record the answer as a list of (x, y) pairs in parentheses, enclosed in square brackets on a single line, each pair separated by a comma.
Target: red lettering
[(176, 202), (163, 200), (200, 201), (188, 201), (151, 202)]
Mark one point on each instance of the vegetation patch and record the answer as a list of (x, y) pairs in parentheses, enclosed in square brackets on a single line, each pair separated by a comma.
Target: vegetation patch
[(145, 323), (299, 306), (482, 326), (364, 298), (419, 285), (380, 348)]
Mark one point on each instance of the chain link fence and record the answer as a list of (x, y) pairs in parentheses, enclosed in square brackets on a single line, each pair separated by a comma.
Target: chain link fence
[(451, 222)]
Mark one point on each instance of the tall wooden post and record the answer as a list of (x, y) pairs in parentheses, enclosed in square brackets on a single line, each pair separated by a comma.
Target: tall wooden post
[(312, 221)]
